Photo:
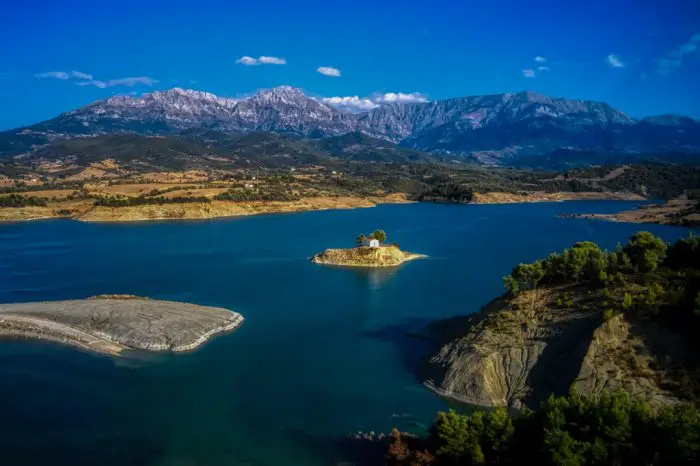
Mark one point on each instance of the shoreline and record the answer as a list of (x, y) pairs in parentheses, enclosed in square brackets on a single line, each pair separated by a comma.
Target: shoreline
[(561, 196), (201, 211), (681, 213), (226, 209), (413, 256), (365, 257)]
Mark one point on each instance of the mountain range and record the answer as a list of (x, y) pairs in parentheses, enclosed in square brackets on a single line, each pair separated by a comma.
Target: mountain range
[(502, 129)]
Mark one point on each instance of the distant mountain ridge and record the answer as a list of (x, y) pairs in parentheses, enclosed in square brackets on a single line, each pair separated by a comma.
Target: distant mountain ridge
[(495, 129)]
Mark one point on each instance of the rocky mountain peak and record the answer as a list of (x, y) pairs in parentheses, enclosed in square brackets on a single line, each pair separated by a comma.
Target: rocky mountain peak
[(281, 94)]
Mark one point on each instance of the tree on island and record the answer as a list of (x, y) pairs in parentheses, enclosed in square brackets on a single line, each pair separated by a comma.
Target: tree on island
[(360, 239), (379, 235)]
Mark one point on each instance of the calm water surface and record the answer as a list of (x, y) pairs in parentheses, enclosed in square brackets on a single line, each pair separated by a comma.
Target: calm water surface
[(322, 351)]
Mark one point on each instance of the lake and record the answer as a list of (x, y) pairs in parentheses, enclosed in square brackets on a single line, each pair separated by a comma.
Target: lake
[(323, 351)]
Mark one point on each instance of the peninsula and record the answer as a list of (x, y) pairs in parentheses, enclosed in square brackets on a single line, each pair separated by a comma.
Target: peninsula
[(584, 320), (111, 324), (371, 251), (683, 210)]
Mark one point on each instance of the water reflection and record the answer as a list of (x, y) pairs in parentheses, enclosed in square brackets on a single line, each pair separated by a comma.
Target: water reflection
[(374, 278)]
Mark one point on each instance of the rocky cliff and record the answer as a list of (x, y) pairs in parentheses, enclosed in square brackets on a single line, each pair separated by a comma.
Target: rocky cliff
[(520, 349)]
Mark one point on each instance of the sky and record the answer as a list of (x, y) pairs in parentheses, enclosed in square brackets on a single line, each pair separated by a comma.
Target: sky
[(641, 56)]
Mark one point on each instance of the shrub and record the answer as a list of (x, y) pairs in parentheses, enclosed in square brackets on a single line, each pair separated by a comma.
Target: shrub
[(608, 314)]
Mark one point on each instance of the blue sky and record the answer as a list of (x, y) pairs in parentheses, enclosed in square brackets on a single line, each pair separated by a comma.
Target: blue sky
[(641, 56)]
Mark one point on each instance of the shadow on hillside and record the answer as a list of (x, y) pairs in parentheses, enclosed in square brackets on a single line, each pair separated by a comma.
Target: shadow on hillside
[(561, 360)]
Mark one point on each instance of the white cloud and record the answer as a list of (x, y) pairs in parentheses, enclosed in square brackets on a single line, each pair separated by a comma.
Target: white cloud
[(328, 71), (351, 103), (64, 75), (128, 82), (86, 79), (272, 60), (540, 59), (615, 61), (80, 75), (542, 68), (54, 74), (132, 81), (245, 60), (262, 60), (95, 82), (360, 104), (674, 59), (529, 73), (400, 97)]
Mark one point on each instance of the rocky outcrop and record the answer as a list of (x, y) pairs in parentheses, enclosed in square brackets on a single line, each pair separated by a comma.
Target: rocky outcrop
[(113, 324), (383, 256), (520, 350)]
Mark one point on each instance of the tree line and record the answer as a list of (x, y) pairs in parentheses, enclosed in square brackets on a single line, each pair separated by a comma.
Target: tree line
[(646, 277), (379, 235), (610, 429), (110, 201), (18, 200)]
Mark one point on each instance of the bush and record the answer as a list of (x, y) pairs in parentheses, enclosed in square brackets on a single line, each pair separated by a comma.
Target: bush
[(608, 314)]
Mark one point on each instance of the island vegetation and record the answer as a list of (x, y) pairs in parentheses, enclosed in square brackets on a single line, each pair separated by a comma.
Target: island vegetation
[(379, 235), (370, 251)]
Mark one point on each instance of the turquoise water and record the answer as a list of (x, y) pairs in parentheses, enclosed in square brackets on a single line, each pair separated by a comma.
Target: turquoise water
[(322, 352)]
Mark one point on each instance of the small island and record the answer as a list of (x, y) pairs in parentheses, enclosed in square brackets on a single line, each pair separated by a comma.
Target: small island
[(371, 251), (112, 324)]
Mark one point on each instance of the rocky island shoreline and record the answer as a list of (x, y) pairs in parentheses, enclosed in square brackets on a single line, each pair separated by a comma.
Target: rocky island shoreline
[(370, 252), (113, 324)]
